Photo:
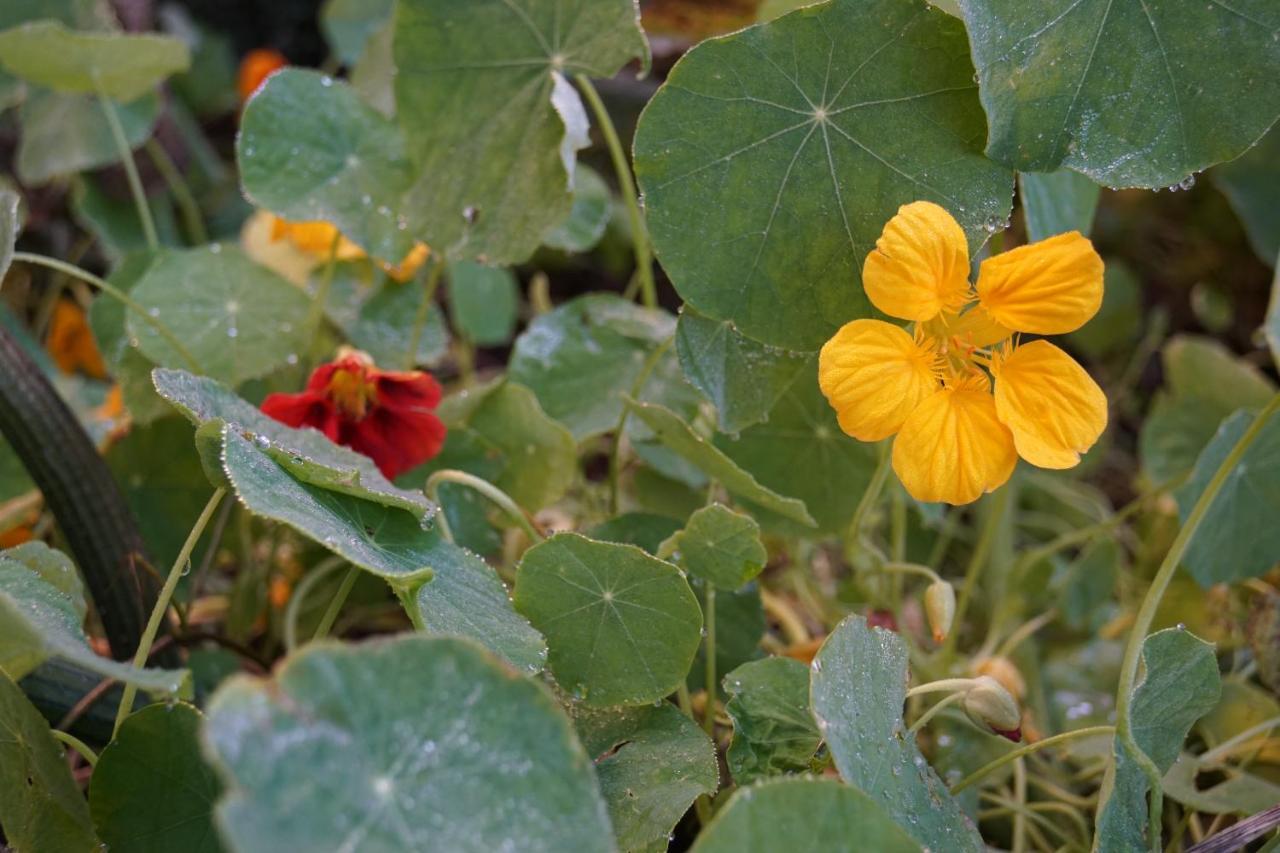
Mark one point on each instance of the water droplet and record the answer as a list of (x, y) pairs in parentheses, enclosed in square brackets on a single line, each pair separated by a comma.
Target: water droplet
[(326, 81), (154, 312), (262, 442), (1187, 183), (233, 332), (291, 358), (215, 248)]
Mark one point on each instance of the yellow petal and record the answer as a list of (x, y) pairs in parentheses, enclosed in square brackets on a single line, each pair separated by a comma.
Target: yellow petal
[(262, 238), (874, 375), (953, 448), (920, 264), (1050, 404), (1047, 288)]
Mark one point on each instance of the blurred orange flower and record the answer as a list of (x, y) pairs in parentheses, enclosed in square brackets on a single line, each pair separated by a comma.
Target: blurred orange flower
[(256, 67), (70, 342)]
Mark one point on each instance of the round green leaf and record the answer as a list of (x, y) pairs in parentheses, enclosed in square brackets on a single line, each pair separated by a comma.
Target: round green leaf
[(41, 807), (425, 743), (1057, 202), (1130, 93), (772, 158), (589, 216), (653, 763), (349, 24), (1251, 183), (155, 759), (773, 729), (118, 65), (310, 149), (489, 115), (804, 816), (857, 686), (63, 133), (484, 301), (622, 627), (720, 546), (237, 319)]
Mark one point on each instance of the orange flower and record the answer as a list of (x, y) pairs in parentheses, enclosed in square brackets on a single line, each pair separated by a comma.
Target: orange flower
[(71, 342), (316, 239), (256, 67)]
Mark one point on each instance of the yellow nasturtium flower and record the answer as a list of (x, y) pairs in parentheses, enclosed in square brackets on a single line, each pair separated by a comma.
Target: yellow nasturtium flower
[(963, 395), (294, 249)]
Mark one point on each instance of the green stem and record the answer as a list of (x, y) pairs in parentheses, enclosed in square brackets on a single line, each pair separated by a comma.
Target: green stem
[(615, 455), (1013, 755), (424, 310), (131, 172), (709, 650), (117, 294), (409, 601), (78, 745), (639, 234), (162, 604), (933, 711), (981, 553), (182, 194), (294, 608), (911, 569), (869, 497), (335, 606), (1228, 746), (1151, 603), (484, 487)]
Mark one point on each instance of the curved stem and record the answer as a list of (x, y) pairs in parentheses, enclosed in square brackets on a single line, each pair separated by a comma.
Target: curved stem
[(1229, 745), (777, 609), (639, 234), (335, 604), (78, 745), (709, 651), (911, 569), (300, 592), (117, 294), (130, 171), (981, 553), (1012, 755), (424, 310), (615, 455), (484, 487), (933, 711), (181, 191), (941, 685), (162, 604), (1151, 602)]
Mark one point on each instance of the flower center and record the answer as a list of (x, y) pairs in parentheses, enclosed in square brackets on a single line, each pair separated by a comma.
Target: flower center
[(352, 392)]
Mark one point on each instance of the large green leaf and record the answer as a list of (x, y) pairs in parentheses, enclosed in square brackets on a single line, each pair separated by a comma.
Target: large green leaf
[(672, 431), (466, 598), (310, 149), (41, 808), (155, 759), (42, 612), (308, 455), (622, 627), (581, 358), (63, 134), (772, 158), (1057, 202), (803, 815), (118, 65), (1238, 537), (801, 451), (773, 728), (226, 310), (1204, 384), (489, 115), (484, 301), (1251, 182), (858, 685), (1180, 686), (388, 541), (384, 326), (653, 763), (499, 432), (742, 377), (720, 546), (1132, 94), (424, 743)]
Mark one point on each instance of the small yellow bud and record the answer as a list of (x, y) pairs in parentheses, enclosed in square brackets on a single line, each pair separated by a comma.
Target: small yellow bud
[(989, 704), (1002, 670), (940, 607)]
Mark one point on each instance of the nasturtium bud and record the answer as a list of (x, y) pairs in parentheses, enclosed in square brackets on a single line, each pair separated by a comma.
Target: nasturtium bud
[(990, 705), (940, 608), (1002, 670)]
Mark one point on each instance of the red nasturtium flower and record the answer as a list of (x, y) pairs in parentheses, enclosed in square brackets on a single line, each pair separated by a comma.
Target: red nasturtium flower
[(385, 415)]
